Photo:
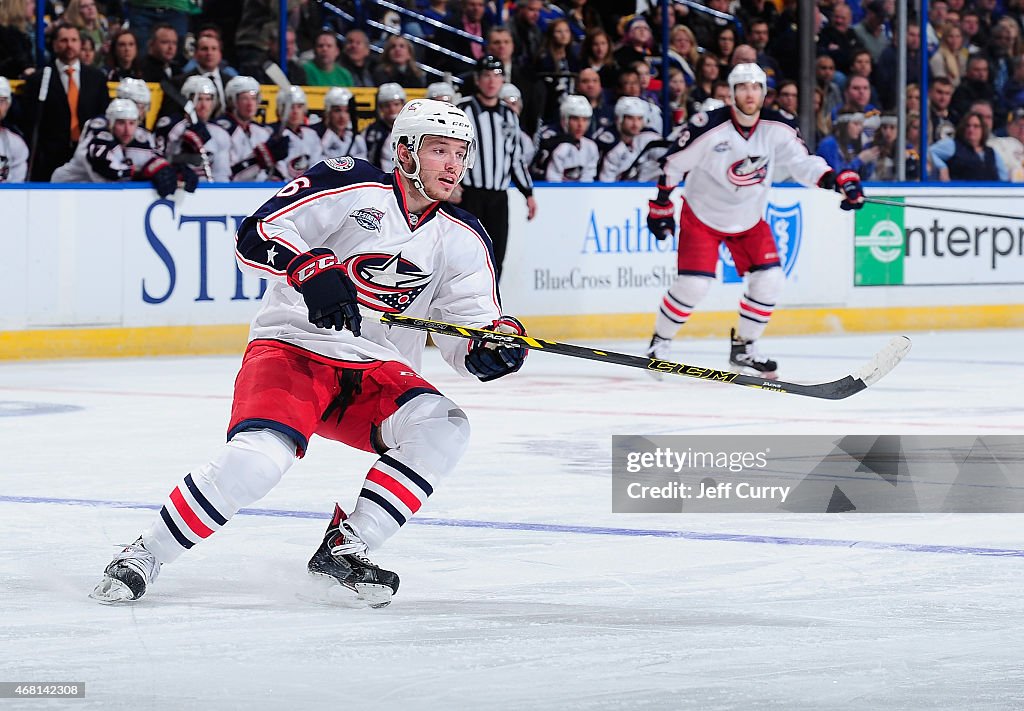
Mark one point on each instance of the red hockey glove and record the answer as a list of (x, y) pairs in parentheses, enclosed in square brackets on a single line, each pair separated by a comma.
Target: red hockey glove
[(329, 293), (489, 359), (660, 218), (848, 185), (195, 137)]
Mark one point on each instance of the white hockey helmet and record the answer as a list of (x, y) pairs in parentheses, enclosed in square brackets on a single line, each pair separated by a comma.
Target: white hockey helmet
[(747, 72), (390, 91), (510, 94), (287, 98), (122, 109), (430, 117), (442, 91), (337, 96), (574, 105), (196, 85), (240, 85), (134, 89), (630, 106), (5, 88), (710, 104)]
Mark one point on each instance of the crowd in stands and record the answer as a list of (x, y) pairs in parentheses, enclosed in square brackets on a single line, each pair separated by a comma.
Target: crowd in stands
[(586, 72)]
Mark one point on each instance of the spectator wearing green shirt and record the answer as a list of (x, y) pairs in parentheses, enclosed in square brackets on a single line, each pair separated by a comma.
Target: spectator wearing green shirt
[(324, 70)]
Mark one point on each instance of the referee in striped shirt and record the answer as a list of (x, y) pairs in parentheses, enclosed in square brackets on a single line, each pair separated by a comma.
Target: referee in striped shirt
[(499, 158)]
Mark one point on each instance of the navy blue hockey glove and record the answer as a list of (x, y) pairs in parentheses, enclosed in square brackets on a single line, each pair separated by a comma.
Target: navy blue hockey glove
[(195, 137), (162, 174), (275, 149), (488, 360), (188, 178), (847, 184), (327, 290), (660, 218)]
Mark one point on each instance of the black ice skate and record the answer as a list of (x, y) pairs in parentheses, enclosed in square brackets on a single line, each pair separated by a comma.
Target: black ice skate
[(658, 349), (745, 359), (342, 556), (128, 576)]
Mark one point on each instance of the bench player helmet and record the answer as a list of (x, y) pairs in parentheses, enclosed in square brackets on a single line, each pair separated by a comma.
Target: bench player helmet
[(430, 117), (511, 96), (338, 96), (121, 109), (442, 91), (390, 91), (574, 105), (747, 73), (196, 85), (240, 85), (286, 99), (5, 88), (629, 106), (134, 89)]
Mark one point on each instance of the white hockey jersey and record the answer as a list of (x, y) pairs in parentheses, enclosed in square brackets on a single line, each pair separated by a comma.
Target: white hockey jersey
[(217, 150), (729, 170), (304, 150), (100, 158), (636, 162), (243, 139), (13, 157), (438, 265), (349, 143), (572, 162)]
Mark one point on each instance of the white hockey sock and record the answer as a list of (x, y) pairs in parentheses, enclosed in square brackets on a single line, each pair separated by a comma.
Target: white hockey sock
[(756, 306), (243, 472), (426, 438), (679, 302)]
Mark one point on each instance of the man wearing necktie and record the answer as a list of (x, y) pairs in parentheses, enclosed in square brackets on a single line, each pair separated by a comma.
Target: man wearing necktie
[(75, 94)]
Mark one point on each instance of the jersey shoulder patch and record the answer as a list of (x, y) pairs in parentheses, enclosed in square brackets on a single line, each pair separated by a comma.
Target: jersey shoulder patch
[(341, 164)]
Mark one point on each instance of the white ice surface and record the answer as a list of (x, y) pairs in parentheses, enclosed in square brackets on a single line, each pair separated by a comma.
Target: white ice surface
[(495, 617)]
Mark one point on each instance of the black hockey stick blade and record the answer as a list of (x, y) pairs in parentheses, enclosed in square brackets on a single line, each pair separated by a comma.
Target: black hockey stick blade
[(869, 374)]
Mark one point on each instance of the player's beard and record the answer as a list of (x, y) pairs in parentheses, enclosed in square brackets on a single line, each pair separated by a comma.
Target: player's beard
[(434, 188)]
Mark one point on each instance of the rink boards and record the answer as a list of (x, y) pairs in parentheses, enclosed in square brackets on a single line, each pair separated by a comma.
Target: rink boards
[(106, 270)]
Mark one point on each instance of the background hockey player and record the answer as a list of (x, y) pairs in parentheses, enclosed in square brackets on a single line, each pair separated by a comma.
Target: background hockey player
[(569, 156), (13, 149), (729, 157), (254, 147), (114, 153), (304, 147), (390, 100), (203, 145), (337, 134), (132, 89), (635, 156), (341, 236)]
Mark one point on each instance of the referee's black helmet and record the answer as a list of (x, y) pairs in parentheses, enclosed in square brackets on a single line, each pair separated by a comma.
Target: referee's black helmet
[(489, 63)]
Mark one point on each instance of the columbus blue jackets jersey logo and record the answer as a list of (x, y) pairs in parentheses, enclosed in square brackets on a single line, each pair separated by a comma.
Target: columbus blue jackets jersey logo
[(386, 282), (787, 225), (341, 164), (749, 171), (368, 218)]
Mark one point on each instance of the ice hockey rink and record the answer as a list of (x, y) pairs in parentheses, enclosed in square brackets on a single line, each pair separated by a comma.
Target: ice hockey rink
[(520, 588)]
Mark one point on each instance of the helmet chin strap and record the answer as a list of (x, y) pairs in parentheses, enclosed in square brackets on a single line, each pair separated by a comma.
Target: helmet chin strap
[(414, 176)]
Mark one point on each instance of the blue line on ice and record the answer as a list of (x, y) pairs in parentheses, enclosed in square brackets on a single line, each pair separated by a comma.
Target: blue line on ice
[(563, 528)]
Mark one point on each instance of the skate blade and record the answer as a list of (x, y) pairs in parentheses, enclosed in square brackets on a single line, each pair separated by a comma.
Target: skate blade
[(356, 596), (111, 591), (744, 370)]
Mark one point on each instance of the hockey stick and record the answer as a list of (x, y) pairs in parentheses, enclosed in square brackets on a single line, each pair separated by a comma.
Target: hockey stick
[(869, 374), (893, 203), (44, 90), (277, 75)]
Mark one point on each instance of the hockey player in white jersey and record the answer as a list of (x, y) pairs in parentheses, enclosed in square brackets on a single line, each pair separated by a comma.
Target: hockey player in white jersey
[(254, 147), (634, 158), (728, 157), (113, 152), (337, 135), (13, 149), (390, 100), (346, 236), (203, 145), (512, 97), (569, 156), (304, 147), (128, 88)]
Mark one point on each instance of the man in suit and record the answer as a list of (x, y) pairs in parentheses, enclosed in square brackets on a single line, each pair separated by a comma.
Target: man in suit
[(209, 63), (75, 94)]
